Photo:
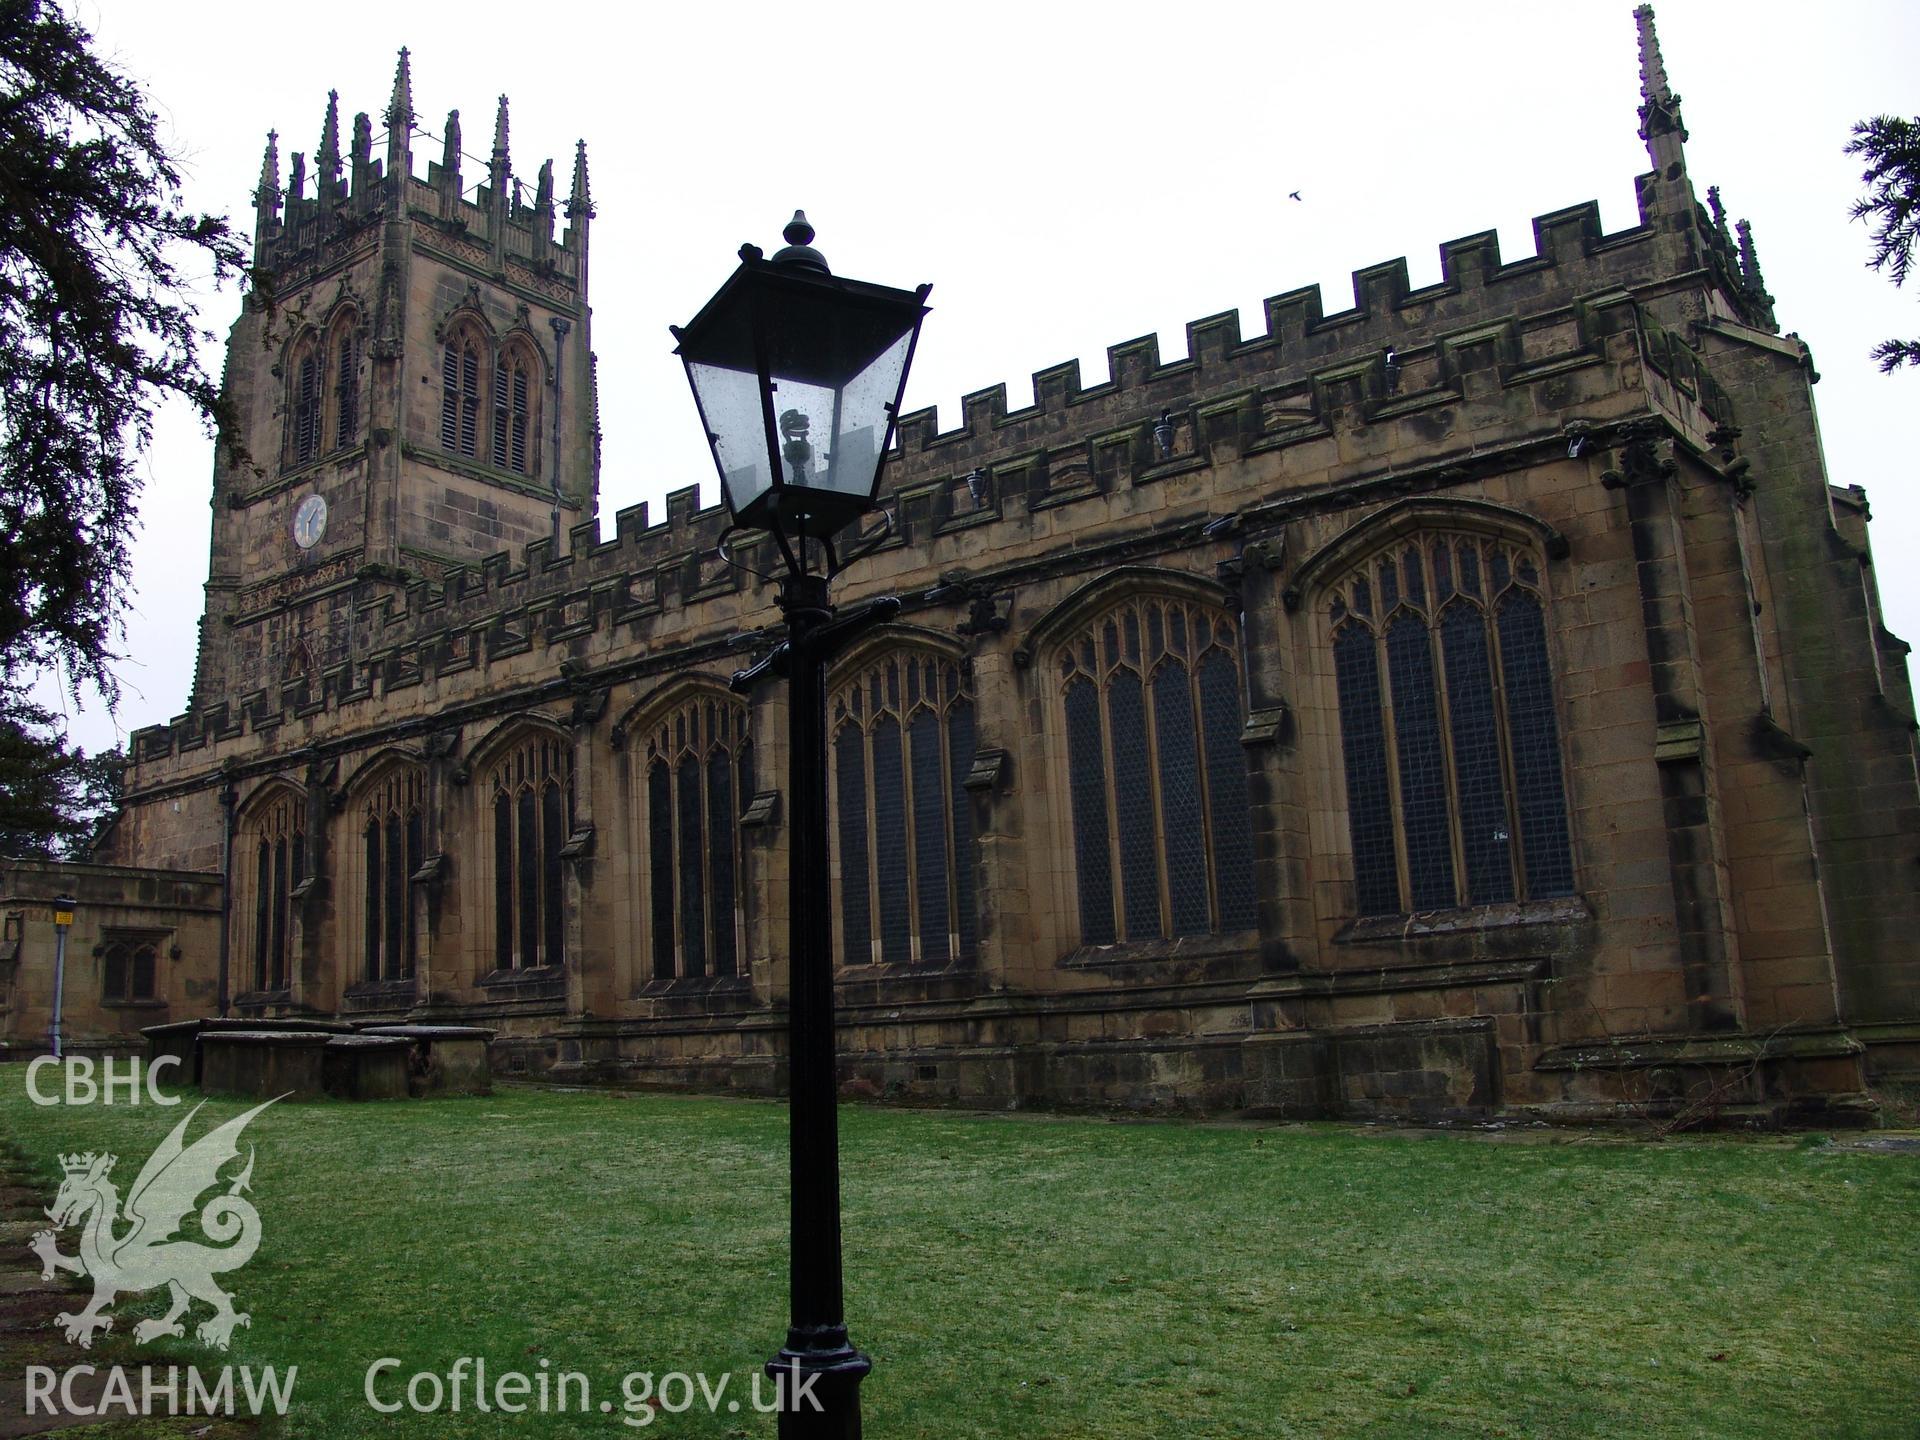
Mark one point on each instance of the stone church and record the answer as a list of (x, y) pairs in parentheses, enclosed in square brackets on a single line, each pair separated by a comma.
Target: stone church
[(1476, 701)]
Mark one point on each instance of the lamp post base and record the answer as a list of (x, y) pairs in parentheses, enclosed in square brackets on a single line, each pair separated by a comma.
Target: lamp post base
[(819, 1390)]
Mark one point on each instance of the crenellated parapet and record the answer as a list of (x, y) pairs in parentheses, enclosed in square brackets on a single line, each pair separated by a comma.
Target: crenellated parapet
[(644, 575), (1575, 258), (1445, 373), (1407, 387)]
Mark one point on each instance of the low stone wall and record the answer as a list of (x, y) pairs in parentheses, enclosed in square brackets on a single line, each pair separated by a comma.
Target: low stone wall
[(1356, 1047)]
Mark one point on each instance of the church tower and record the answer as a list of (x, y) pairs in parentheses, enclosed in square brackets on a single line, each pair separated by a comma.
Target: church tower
[(410, 384)]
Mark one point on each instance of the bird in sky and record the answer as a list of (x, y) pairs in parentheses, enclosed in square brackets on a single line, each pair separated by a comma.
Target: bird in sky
[(1294, 195)]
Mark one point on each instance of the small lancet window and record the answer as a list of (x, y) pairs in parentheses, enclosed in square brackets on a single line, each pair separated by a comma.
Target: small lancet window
[(128, 971)]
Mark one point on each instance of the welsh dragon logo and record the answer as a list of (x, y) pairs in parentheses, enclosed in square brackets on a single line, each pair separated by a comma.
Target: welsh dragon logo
[(145, 1253)]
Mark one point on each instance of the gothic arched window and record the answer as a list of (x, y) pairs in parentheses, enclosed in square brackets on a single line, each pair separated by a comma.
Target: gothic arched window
[(128, 969), (460, 370), (696, 777), (513, 410), (1451, 746), (273, 852), (902, 732), (1157, 777), (393, 845), (532, 790), (344, 350), (303, 428)]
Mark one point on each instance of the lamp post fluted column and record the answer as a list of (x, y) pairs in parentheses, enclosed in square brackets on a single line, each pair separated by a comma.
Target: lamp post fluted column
[(817, 1342), (818, 1368)]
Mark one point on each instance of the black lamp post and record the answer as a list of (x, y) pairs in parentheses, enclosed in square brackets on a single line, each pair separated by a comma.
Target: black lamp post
[(798, 375)]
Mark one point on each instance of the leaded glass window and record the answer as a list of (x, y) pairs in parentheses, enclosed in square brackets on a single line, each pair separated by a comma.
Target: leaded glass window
[(1156, 775), (696, 760), (274, 835), (903, 851), (1448, 732), (532, 788), (392, 833)]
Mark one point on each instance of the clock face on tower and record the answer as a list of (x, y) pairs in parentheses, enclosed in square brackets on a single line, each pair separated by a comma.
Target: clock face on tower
[(310, 522)]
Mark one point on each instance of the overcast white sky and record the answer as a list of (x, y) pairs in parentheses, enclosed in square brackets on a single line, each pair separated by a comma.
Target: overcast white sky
[(1066, 175)]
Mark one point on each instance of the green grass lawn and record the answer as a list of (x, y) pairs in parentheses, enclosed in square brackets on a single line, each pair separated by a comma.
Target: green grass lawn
[(1029, 1276)]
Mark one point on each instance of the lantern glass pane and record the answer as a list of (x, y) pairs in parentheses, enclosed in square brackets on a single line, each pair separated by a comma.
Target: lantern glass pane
[(831, 437), (730, 405), (864, 417)]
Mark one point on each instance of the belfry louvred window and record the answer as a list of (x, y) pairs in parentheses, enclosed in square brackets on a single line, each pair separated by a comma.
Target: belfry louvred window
[(460, 395), (532, 798), (393, 836), (305, 443), (902, 731), (274, 844), (512, 411), (698, 776), (1449, 737), (1157, 786), (346, 386)]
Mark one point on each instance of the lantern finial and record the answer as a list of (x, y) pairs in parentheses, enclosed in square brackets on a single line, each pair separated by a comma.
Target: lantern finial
[(800, 252)]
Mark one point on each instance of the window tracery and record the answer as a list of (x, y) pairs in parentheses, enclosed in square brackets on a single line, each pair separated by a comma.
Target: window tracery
[(901, 731), (696, 777), (1448, 729), (274, 860), (1150, 692), (531, 788), (393, 844)]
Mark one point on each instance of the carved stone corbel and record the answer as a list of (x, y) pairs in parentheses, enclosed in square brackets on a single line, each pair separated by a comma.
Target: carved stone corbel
[(1642, 461), (590, 705), (320, 770), (984, 612)]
